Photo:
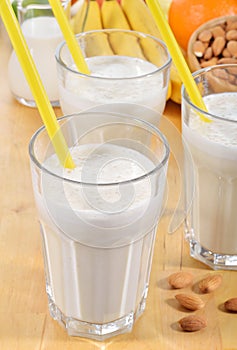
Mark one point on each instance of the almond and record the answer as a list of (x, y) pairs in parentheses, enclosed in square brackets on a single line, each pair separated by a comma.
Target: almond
[(218, 31), (232, 79), (218, 45), (209, 63), (232, 70), (208, 53), (198, 48), (210, 283), (228, 60), (231, 34), (231, 305), (232, 47), (221, 74), (190, 301), (205, 35), (226, 53), (192, 323), (180, 279)]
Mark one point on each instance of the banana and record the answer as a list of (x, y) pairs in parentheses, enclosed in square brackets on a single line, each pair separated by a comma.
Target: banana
[(77, 21), (125, 45), (93, 19), (98, 46), (141, 19), (176, 85), (121, 43), (113, 16), (169, 91), (88, 17), (151, 51)]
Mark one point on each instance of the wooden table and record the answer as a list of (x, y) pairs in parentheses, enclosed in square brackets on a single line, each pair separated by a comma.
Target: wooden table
[(25, 323)]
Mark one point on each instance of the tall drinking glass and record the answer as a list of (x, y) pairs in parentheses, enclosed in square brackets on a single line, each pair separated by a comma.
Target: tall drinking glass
[(126, 67), (99, 220), (211, 223)]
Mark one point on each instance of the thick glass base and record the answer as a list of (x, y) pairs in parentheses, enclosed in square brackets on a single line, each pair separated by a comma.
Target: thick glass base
[(216, 261), (31, 103), (95, 331)]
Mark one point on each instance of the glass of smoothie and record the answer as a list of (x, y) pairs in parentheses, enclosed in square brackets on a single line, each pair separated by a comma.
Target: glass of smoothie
[(43, 35), (125, 66), (211, 221), (99, 220)]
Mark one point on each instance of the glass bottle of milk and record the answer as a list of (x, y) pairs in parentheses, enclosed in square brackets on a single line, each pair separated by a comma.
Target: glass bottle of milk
[(42, 34)]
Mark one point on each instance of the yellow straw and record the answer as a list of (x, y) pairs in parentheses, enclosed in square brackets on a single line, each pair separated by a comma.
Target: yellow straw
[(33, 78), (69, 37), (177, 56)]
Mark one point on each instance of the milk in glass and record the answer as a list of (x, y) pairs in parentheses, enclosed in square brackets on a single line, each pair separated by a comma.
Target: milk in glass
[(213, 146), (42, 35), (96, 275), (99, 219)]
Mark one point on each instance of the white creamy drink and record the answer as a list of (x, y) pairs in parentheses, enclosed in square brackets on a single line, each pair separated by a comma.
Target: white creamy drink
[(112, 81), (42, 35), (98, 243), (214, 150)]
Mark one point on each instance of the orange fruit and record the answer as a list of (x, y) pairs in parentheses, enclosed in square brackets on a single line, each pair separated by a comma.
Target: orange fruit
[(186, 16)]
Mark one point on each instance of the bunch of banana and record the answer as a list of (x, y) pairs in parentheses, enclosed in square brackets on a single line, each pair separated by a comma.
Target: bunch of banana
[(123, 14)]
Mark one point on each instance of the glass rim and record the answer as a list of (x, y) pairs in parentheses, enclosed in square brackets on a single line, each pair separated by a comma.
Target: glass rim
[(152, 129), (197, 74), (133, 32)]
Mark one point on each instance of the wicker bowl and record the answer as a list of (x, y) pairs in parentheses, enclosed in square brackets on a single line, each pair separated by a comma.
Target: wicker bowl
[(196, 61)]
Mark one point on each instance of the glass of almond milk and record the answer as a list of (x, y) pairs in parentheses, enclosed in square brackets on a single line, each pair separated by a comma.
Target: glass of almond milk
[(43, 35), (125, 66), (211, 221), (99, 220)]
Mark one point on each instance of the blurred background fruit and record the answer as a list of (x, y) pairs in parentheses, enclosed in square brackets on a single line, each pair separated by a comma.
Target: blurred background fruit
[(124, 14), (185, 16)]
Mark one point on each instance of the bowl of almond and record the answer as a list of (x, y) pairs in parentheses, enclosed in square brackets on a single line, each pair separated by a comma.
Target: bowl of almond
[(213, 43)]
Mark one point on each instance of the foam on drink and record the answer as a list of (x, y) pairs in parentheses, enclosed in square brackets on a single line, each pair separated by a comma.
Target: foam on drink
[(113, 81)]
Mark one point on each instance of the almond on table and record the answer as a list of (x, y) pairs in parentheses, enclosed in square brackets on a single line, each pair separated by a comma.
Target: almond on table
[(190, 301), (193, 323), (180, 279), (210, 283), (231, 305)]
